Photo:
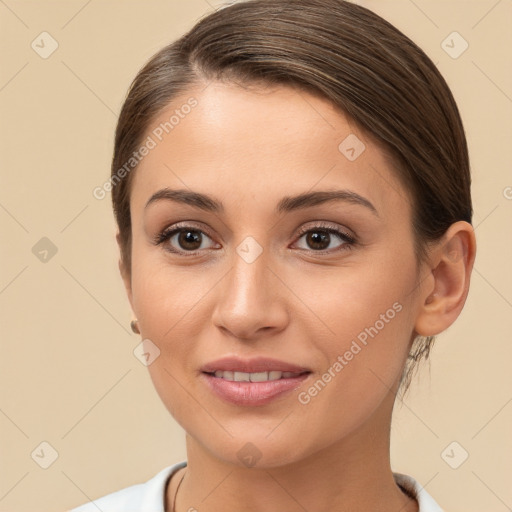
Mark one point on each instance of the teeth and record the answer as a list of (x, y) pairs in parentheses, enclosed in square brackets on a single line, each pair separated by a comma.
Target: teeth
[(258, 377), (253, 377)]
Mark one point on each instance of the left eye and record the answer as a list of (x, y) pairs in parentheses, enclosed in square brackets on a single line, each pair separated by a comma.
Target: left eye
[(319, 239)]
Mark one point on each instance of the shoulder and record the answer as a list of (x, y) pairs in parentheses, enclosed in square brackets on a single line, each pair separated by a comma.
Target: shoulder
[(425, 502), (144, 497)]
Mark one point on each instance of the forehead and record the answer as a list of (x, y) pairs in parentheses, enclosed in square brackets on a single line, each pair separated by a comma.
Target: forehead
[(257, 144)]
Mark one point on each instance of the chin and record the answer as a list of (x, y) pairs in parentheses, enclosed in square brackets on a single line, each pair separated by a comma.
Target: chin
[(256, 447)]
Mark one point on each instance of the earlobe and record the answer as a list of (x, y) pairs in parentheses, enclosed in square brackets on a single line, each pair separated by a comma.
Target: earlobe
[(451, 265)]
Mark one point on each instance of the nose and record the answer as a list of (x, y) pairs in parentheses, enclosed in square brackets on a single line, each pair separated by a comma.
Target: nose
[(251, 300)]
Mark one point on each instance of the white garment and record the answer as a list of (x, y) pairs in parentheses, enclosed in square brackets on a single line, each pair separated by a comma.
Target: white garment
[(150, 496)]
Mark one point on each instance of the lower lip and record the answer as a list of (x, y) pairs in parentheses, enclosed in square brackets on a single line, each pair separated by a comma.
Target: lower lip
[(252, 393)]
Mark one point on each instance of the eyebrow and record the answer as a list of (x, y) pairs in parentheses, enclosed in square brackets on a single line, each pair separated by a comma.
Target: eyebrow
[(286, 204)]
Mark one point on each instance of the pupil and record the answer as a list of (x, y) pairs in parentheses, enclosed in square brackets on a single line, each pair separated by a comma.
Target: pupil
[(190, 237), (318, 237)]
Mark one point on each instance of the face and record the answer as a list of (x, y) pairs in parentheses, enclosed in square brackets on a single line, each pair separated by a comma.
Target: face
[(299, 262)]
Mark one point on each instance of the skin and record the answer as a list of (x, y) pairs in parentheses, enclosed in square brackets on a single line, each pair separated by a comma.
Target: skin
[(248, 148)]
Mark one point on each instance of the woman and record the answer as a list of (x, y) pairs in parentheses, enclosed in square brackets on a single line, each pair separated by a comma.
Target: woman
[(291, 185)]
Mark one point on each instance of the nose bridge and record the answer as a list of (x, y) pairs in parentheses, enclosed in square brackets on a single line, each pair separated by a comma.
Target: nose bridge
[(248, 279), (250, 298)]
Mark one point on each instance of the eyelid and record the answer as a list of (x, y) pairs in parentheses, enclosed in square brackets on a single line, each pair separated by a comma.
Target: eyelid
[(328, 226)]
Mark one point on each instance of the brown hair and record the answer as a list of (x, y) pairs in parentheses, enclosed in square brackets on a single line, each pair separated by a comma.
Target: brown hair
[(336, 49)]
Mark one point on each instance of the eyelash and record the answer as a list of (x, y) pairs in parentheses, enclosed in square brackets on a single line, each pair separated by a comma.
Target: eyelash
[(348, 240)]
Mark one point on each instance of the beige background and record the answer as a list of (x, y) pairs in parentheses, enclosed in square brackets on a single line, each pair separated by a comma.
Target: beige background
[(68, 373)]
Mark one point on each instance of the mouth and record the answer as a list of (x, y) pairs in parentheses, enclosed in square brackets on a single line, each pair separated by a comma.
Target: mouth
[(252, 382), (256, 365), (254, 377)]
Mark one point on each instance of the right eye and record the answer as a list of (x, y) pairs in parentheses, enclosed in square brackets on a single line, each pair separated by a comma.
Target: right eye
[(183, 239)]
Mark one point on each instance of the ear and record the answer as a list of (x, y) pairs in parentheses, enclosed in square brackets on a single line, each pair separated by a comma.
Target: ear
[(125, 272), (446, 289)]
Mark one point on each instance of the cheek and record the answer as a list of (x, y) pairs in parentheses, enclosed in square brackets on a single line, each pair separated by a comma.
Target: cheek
[(170, 308), (166, 297), (370, 319), (363, 362), (362, 303)]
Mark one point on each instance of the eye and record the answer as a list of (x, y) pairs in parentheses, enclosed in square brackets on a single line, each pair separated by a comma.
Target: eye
[(320, 236), (184, 239), (187, 240)]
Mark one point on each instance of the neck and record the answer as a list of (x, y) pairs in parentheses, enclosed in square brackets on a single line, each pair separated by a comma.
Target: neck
[(353, 474)]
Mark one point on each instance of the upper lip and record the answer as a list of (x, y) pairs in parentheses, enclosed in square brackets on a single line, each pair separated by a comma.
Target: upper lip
[(253, 365)]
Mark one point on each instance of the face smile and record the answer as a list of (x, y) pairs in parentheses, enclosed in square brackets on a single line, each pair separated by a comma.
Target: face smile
[(263, 262), (252, 382)]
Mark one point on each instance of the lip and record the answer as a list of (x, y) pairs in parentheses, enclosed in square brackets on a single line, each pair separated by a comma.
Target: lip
[(252, 393), (254, 365)]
